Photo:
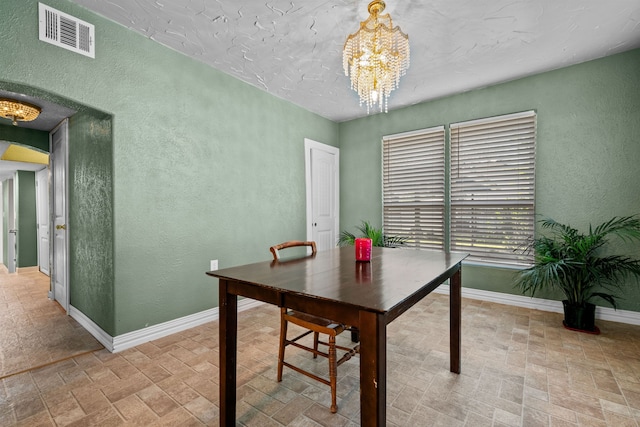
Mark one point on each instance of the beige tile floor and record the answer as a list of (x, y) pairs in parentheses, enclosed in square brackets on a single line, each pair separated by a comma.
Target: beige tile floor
[(33, 329), (519, 368)]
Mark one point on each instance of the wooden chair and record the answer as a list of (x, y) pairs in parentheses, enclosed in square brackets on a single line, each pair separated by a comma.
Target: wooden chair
[(317, 325)]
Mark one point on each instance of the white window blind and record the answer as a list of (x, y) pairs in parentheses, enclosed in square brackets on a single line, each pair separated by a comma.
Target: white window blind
[(492, 187), (414, 188)]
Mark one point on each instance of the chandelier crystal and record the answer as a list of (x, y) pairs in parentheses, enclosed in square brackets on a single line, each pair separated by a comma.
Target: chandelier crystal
[(375, 57), (18, 110)]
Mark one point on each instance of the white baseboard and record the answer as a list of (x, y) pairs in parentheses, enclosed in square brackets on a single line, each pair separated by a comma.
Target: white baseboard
[(105, 339), (141, 336), (604, 313)]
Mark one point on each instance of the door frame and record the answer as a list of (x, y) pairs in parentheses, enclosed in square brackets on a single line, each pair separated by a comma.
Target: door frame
[(309, 145), (40, 203), (2, 232), (12, 230), (52, 272)]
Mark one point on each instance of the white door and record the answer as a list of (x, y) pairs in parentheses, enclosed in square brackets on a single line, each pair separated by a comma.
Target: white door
[(58, 166), (2, 215), (322, 173), (42, 209), (12, 232)]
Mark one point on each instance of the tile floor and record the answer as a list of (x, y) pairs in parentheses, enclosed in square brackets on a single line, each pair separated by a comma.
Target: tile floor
[(519, 368), (33, 329)]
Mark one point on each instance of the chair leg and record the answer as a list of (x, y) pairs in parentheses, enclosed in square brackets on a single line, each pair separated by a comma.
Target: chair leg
[(283, 338), (333, 372), (355, 334), (315, 343)]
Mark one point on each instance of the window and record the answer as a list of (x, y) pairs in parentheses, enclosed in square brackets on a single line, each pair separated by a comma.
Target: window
[(413, 187), (487, 206), (492, 187)]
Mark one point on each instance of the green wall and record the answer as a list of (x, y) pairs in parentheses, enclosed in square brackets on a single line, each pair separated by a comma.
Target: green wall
[(173, 163), (32, 137), (27, 223), (90, 206), (200, 164), (588, 149)]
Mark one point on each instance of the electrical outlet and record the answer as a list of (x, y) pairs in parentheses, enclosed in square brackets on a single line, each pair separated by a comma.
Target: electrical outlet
[(214, 265)]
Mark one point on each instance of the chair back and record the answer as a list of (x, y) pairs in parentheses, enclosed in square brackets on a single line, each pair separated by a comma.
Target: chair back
[(291, 244)]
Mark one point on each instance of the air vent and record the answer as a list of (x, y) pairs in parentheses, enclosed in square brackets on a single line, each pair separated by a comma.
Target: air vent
[(66, 31)]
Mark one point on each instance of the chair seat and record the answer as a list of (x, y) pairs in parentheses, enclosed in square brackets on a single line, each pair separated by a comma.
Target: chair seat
[(314, 323)]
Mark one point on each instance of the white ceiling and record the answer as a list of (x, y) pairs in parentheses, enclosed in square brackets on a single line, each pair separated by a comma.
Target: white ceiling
[(293, 49)]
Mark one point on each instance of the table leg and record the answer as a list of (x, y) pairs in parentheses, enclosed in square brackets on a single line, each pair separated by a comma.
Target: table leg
[(228, 309), (455, 313), (373, 369)]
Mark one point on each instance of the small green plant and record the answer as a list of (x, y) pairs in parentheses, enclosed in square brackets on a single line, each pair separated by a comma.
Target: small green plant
[(578, 264), (378, 238)]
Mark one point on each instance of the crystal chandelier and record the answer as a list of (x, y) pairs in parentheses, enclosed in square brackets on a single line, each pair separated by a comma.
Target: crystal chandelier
[(18, 110), (375, 57)]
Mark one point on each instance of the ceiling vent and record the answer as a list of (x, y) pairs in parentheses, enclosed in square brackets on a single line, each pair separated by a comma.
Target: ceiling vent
[(66, 31)]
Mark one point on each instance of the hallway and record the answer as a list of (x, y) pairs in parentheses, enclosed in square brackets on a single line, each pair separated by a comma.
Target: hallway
[(35, 331)]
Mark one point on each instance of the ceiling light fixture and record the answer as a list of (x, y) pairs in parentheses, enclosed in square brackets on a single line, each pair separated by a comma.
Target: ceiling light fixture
[(375, 57), (18, 110)]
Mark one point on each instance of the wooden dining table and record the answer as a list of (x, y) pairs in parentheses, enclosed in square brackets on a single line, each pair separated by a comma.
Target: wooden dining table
[(332, 284)]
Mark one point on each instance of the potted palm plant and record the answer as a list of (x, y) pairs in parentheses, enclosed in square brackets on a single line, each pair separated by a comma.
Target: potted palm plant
[(579, 265), (378, 238)]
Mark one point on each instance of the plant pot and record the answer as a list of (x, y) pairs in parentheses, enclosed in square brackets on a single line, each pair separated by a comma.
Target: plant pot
[(580, 318)]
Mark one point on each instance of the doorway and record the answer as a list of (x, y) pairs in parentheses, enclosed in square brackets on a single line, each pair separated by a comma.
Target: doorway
[(19, 237), (322, 169), (88, 138)]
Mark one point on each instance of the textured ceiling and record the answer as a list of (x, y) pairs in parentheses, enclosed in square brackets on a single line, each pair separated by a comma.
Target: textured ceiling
[(293, 49)]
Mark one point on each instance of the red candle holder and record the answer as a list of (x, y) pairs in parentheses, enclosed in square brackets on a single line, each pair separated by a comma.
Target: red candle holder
[(363, 249)]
